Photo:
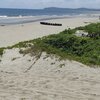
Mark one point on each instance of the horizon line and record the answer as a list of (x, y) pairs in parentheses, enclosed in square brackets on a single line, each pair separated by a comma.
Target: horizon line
[(49, 7)]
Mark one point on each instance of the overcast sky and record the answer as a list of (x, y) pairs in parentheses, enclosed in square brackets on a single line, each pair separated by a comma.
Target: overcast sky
[(49, 3)]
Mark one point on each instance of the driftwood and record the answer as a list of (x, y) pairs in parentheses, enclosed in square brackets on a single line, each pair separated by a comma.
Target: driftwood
[(52, 24)]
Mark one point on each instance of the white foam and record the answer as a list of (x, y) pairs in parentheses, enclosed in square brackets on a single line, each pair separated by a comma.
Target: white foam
[(3, 16)]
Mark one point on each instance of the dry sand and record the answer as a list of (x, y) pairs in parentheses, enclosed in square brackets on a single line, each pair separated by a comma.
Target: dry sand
[(47, 79), (12, 34)]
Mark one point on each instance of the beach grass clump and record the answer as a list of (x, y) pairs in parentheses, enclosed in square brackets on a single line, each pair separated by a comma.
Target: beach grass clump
[(24, 44), (67, 45), (1, 51)]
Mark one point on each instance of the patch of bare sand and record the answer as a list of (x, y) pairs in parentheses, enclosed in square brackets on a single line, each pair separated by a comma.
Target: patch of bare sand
[(47, 79)]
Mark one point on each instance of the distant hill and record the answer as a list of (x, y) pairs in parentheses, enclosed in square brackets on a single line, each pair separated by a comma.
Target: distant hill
[(54, 8), (71, 9)]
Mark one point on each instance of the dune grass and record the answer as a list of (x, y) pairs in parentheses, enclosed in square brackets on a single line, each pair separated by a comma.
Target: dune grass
[(67, 45), (1, 51)]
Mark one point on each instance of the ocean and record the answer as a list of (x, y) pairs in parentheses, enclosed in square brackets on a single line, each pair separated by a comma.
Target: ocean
[(17, 16)]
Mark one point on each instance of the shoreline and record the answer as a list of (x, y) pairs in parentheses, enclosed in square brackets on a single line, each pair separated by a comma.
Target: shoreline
[(30, 19)]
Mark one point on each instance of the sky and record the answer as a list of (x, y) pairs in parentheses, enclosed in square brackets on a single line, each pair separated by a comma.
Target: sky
[(38, 4)]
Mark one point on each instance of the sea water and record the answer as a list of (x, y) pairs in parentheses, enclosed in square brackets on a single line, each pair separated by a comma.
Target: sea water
[(18, 16)]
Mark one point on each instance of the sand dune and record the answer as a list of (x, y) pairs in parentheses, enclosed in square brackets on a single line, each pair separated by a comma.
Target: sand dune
[(47, 79)]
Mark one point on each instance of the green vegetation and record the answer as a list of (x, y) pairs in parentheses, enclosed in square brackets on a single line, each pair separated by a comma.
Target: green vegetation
[(67, 45), (1, 51), (91, 28)]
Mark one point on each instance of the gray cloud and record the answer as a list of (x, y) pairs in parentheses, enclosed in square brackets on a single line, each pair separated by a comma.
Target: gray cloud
[(49, 3)]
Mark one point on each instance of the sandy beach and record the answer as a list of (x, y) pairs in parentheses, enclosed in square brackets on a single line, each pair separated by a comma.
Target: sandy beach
[(24, 77), (47, 79), (12, 34)]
